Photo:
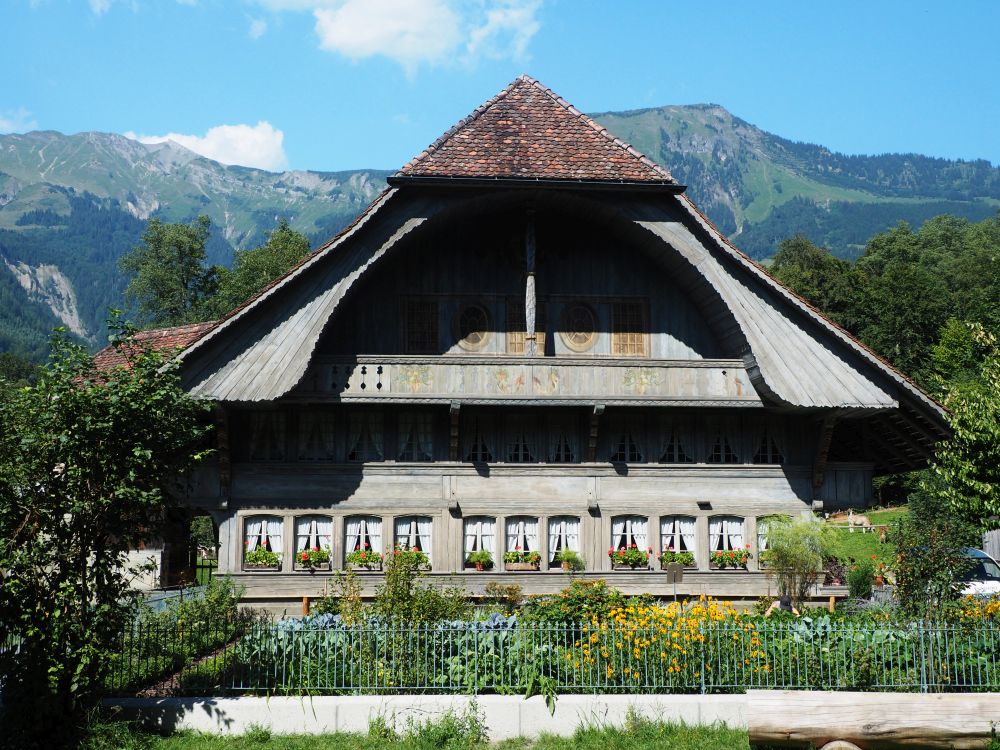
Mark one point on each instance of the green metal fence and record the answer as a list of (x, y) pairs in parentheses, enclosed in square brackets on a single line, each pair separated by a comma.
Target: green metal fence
[(507, 657)]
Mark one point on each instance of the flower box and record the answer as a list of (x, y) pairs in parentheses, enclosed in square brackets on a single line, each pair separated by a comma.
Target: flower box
[(630, 567), (732, 558), (521, 566), (684, 558), (258, 568), (629, 558), (376, 568)]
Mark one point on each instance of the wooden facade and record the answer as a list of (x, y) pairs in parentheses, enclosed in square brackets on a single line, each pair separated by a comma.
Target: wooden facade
[(536, 359)]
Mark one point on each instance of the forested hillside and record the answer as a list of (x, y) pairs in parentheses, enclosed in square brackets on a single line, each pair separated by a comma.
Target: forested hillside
[(71, 206)]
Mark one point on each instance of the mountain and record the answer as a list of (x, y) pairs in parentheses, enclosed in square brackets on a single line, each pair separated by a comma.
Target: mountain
[(72, 205), (761, 189)]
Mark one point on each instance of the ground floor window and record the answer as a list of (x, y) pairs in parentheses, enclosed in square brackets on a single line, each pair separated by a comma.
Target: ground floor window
[(677, 534), (725, 533), (522, 537), (480, 541), (414, 532), (262, 541), (564, 534), (363, 534), (628, 531)]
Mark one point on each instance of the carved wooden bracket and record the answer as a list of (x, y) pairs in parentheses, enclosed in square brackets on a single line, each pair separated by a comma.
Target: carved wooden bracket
[(453, 413), (221, 417)]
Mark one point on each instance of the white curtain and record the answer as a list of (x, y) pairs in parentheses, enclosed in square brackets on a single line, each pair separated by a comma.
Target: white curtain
[(668, 534), (639, 531), (274, 533), (734, 532), (715, 526), (686, 526), (374, 528), (557, 537), (353, 533), (305, 533), (618, 538), (254, 531), (424, 526), (404, 527), (523, 533), (563, 435), (480, 533)]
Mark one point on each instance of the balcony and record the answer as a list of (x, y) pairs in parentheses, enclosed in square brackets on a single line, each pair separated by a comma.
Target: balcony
[(507, 380)]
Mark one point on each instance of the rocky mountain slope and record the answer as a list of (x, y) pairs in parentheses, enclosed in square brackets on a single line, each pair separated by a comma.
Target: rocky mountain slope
[(70, 206)]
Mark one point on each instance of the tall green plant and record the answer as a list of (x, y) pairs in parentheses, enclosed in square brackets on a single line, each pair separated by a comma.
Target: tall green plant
[(88, 462), (795, 552)]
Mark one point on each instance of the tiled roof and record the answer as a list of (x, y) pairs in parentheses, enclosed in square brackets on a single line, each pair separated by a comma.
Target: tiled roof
[(528, 132), (168, 340)]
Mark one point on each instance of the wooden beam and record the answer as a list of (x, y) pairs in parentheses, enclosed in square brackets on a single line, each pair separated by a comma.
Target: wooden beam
[(530, 349), (453, 414), (800, 718), (595, 421), (823, 450), (221, 417), (908, 440)]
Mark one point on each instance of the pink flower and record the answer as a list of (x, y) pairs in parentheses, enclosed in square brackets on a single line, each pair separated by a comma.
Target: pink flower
[(305, 556)]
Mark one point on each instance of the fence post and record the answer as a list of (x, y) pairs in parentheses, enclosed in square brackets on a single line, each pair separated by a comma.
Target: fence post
[(701, 632), (923, 658), (475, 649)]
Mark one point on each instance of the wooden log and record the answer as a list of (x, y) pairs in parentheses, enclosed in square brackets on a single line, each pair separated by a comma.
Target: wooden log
[(305, 606), (800, 718)]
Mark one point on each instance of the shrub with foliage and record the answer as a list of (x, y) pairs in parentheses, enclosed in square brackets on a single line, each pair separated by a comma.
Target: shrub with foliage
[(402, 597), (580, 601), (88, 462), (571, 559), (480, 557), (795, 552), (861, 579)]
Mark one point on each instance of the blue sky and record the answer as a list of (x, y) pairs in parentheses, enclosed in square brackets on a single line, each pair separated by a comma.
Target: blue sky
[(344, 84)]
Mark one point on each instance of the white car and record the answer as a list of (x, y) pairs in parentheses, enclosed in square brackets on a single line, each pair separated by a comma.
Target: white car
[(983, 578)]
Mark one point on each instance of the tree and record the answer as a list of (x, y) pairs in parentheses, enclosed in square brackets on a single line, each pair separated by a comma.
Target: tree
[(170, 282), (254, 269), (967, 466), (88, 462), (812, 272), (202, 534), (796, 549)]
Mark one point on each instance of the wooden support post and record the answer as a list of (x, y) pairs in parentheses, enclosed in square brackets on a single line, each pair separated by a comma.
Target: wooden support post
[(305, 606), (823, 450), (595, 421), (221, 417), (453, 414), (530, 350), (832, 606)]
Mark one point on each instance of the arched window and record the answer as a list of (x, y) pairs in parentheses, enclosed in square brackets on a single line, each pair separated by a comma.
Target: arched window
[(564, 533), (363, 534), (480, 535), (522, 534), (677, 534), (414, 532), (725, 533), (628, 531), (312, 532)]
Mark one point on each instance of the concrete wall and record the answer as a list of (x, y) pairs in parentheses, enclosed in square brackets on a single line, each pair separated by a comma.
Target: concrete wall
[(506, 716)]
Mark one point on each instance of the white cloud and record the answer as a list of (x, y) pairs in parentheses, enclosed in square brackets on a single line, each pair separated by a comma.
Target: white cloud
[(99, 7), (17, 121), (258, 27), (257, 145), (418, 32)]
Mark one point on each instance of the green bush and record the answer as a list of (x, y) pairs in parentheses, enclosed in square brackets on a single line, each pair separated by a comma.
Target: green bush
[(402, 598), (579, 602), (574, 560), (795, 552), (861, 579)]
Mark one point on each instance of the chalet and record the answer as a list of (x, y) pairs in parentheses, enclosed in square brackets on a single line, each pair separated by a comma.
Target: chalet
[(533, 340)]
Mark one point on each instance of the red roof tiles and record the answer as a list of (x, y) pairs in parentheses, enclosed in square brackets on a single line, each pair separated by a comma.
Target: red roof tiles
[(168, 340), (528, 132)]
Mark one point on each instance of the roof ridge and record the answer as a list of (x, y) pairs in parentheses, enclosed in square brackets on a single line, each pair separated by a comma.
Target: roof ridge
[(585, 118), (469, 118), (524, 78)]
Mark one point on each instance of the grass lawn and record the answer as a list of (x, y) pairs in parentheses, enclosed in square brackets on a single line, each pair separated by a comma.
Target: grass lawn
[(858, 546), (204, 569), (641, 736)]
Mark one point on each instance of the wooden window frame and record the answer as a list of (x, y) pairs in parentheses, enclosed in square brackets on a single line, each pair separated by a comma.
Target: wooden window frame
[(626, 316), (420, 342)]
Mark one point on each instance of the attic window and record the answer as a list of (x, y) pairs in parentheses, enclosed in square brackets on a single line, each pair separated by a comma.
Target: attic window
[(673, 451), (579, 327), (473, 327), (628, 329), (768, 452), (722, 452), (421, 333), (626, 449)]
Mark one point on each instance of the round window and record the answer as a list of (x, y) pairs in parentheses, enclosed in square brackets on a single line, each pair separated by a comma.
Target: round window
[(473, 324), (579, 327)]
